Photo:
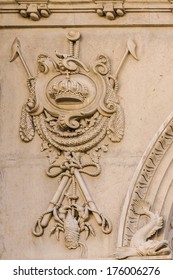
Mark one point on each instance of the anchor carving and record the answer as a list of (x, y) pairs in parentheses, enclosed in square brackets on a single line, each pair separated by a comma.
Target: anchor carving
[(75, 109)]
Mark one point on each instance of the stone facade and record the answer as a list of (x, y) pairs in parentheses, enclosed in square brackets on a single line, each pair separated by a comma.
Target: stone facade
[(86, 129)]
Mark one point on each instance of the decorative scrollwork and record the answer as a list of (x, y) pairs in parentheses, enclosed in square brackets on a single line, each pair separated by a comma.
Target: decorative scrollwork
[(102, 66)]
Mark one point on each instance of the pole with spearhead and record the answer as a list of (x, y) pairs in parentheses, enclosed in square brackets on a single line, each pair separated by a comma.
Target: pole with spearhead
[(15, 52), (130, 49)]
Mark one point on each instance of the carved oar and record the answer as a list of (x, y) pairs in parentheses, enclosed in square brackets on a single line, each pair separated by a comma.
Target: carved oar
[(130, 49), (100, 218), (15, 52), (57, 198), (87, 196), (54, 201)]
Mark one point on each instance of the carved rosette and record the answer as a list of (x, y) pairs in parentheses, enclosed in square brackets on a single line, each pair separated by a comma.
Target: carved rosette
[(74, 108)]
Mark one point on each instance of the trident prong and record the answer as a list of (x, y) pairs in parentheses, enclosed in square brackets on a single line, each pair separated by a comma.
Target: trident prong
[(15, 52), (130, 49)]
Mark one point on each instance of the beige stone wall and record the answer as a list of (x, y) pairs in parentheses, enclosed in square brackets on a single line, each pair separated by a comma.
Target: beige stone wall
[(146, 95)]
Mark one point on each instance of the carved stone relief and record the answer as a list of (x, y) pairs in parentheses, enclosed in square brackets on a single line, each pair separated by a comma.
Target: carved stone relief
[(74, 112), (33, 9), (142, 187), (141, 244), (111, 10), (75, 109), (169, 230)]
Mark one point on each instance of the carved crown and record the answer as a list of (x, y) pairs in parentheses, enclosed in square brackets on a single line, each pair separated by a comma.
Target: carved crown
[(68, 90)]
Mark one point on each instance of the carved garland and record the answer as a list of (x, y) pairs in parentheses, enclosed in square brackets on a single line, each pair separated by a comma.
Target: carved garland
[(73, 108)]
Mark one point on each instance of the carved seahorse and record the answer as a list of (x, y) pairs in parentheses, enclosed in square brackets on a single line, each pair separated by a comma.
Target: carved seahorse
[(142, 208), (140, 244)]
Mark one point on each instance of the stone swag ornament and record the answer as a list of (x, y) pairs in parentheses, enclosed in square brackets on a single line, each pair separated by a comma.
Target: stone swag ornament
[(73, 108)]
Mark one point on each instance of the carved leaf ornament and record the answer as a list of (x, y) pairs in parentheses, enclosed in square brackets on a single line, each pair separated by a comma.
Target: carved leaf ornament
[(73, 108)]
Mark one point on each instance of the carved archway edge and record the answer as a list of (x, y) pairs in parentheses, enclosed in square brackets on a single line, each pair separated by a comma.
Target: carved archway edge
[(141, 182)]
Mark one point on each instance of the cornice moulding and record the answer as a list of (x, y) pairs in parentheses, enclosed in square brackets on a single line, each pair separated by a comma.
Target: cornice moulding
[(55, 6), (35, 10), (137, 6)]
